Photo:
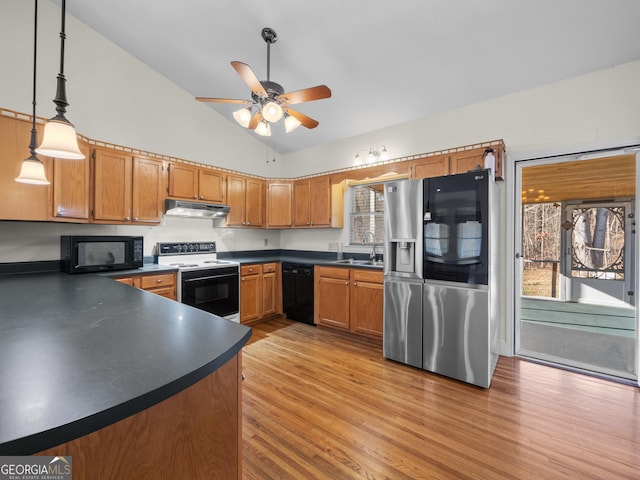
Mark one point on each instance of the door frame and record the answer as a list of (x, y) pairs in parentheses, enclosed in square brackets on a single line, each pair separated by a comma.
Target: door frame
[(514, 224)]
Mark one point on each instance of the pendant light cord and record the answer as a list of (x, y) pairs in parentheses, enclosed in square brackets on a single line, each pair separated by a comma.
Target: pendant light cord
[(63, 36), (34, 140)]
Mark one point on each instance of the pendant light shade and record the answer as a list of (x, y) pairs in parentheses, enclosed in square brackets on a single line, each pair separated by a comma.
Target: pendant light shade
[(60, 141), (60, 138), (32, 170)]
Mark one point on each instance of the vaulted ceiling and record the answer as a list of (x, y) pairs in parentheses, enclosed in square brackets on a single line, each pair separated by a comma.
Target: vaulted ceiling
[(385, 62)]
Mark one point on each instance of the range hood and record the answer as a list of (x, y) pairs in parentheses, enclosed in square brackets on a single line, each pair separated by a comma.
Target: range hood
[(183, 208)]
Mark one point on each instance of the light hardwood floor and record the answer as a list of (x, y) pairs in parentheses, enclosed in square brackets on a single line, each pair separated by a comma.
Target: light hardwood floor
[(324, 405)]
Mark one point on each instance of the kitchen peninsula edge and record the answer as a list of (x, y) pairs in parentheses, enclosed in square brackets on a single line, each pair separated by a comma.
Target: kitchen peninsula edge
[(81, 353)]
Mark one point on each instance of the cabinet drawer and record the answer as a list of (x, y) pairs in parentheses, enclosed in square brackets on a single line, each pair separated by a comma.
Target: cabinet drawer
[(154, 281), (366, 275), (333, 272), (125, 280), (250, 269), (268, 267), (167, 292)]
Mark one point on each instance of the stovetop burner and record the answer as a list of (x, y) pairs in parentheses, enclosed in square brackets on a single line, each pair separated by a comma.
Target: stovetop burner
[(191, 256)]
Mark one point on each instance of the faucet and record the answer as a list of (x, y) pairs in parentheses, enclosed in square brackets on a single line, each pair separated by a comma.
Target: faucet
[(372, 254)]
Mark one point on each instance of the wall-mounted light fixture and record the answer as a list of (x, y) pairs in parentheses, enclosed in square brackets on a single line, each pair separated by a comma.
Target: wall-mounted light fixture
[(371, 156), (32, 170), (59, 138)]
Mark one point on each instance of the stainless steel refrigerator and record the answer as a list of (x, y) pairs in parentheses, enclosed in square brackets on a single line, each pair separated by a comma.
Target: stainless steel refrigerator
[(438, 312)]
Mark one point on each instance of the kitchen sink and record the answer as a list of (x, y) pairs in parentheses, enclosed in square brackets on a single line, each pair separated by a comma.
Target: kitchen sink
[(366, 263)]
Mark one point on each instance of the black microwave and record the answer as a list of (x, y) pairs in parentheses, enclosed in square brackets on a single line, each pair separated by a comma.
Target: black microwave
[(100, 253)]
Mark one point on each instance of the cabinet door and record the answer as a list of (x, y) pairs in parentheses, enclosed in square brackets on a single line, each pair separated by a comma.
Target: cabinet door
[(183, 181), (71, 180), (112, 186), (301, 198), (147, 190), (279, 204), (254, 203), (268, 293), (250, 298), (366, 302), (210, 185), (463, 162), (430, 167), (320, 202), (21, 201), (235, 198), (332, 295)]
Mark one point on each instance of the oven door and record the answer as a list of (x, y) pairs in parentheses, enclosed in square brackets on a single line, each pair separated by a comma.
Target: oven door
[(215, 290)]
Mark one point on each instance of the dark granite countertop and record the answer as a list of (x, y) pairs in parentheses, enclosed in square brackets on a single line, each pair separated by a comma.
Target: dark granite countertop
[(296, 256), (80, 352)]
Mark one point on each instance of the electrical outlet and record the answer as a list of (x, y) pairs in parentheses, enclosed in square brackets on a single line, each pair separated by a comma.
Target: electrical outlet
[(332, 246), (266, 242)]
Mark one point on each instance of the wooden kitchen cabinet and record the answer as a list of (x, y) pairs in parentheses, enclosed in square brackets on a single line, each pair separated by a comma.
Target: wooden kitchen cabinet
[(349, 299), (314, 202), (366, 302), (21, 201), (71, 187), (428, 167), (163, 284), (245, 196), (462, 162), (279, 204), (127, 189), (331, 297), (259, 291), (193, 183)]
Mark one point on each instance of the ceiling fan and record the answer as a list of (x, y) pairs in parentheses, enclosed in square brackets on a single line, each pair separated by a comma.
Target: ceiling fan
[(269, 102)]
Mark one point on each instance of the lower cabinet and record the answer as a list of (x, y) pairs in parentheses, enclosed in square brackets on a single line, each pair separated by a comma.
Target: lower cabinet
[(260, 288), (349, 299), (163, 284)]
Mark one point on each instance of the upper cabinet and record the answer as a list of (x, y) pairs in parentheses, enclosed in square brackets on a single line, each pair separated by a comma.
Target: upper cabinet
[(317, 203), (127, 189), (71, 187), (245, 196), (279, 204), (21, 201), (193, 183), (428, 167)]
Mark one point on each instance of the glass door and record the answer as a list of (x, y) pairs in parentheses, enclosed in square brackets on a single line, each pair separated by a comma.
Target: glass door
[(576, 269)]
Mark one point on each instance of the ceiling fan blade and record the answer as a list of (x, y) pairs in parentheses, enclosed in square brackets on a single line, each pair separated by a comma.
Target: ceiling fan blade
[(223, 100), (249, 78), (254, 121), (303, 119), (305, 95)]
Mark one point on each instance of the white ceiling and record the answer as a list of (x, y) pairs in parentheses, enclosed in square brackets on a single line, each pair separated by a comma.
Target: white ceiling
[(386, 62)]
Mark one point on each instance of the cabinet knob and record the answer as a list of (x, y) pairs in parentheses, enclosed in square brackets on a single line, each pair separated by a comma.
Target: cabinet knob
[(159, 280), (127, 219), (136, 219), (346, 283), (355, 284), (201, 197)]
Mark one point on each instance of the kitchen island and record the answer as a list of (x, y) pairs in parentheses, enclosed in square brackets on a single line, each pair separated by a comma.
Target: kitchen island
[(130, 384)]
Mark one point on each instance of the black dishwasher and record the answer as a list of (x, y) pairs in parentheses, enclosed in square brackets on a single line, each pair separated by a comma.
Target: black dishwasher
[(297, 291)]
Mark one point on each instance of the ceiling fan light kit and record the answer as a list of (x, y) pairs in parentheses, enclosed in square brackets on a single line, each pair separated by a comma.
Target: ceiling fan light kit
[(269, 102)]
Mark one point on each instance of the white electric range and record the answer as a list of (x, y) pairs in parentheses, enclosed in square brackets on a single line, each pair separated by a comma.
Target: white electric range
[(204, 281)]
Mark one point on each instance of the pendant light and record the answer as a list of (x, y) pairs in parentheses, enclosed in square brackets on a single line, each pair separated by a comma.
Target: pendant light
[(60, 139), (32, 170)]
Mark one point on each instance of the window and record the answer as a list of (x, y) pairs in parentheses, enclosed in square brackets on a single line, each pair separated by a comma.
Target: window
[(367, 214)]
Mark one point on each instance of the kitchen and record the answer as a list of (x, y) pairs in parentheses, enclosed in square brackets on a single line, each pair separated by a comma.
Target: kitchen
[(521, 119)]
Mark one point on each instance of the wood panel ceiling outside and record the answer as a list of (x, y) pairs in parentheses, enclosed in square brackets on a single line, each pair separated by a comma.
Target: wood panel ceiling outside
[(602, 178)]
